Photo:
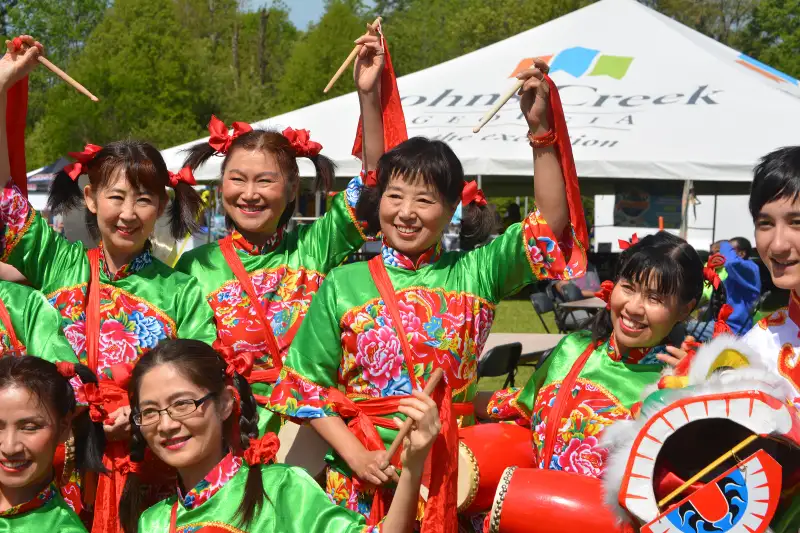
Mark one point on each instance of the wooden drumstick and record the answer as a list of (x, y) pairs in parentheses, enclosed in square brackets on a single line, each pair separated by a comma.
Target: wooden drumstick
[(500, 103), (67, 78), (436, 377), (347, 61)]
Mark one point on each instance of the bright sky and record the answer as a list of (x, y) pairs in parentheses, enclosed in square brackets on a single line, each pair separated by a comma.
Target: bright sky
[(301, 12)]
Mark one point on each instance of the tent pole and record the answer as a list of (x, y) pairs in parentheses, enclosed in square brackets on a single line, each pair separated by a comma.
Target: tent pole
[(714, 222), (480, 181), (687, 189)]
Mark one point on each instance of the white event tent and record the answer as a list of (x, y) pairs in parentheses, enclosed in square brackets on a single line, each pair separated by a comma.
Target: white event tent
[(645, 98)]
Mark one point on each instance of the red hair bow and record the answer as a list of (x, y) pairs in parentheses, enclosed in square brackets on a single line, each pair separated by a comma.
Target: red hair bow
[(371, 178), (220, 140), (92, 396), (605, 292), (624, 245), (301, 142), (241, 363), (66, 369), (184, 175), (263, 450), (74, 170), (471, 193), (715, 261)]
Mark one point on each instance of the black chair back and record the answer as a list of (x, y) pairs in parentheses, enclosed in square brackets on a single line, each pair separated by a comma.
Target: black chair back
[(501, 361), (542, 304)]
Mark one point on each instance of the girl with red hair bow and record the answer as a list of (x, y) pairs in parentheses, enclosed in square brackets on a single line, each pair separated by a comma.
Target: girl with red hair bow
[(116, 301), (197, 413), (378, 330), (261, 278)]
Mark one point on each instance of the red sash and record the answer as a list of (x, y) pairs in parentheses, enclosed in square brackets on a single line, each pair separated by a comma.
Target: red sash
[(553, 419), (441, 508), (235, 264), (5, 318)]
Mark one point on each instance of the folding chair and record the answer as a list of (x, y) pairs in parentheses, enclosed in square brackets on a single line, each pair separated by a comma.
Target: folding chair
[(501, 360)]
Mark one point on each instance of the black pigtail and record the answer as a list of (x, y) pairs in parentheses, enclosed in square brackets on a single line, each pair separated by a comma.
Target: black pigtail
[(325, 172), (184, 213), (198, 155), (65, 194), (478, 222), (90, 439), (254, 493)]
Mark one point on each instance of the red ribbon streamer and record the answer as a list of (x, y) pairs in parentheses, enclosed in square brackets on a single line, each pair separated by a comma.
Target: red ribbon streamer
[(394, 122), (563, 148)]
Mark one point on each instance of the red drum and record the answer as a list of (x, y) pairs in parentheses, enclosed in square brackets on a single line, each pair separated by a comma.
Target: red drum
[(484, 452), (532, 500)]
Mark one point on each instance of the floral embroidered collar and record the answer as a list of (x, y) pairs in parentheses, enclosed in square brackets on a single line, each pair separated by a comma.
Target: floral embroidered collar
[(212, 483), (243, 244), (395, 258), (794, 308), (635, 355), (47, 494), (144, 259)]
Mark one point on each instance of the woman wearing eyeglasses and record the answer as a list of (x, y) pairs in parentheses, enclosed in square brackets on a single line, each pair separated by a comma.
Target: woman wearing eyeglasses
[(198, 415)]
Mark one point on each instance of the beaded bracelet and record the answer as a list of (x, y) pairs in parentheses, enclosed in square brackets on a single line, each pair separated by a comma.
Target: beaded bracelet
[(542, 141)]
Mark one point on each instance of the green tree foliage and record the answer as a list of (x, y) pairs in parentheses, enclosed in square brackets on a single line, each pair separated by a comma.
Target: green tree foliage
[(162, 67), (773, 35), (318, 55)]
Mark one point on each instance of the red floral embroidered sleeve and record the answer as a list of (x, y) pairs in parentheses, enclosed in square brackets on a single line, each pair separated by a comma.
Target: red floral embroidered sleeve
[(527, 252), (503, 406), (29, 243), (312, 365)]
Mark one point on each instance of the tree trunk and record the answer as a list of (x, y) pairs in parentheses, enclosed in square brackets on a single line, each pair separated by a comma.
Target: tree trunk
[(262, 46), (235, 50)]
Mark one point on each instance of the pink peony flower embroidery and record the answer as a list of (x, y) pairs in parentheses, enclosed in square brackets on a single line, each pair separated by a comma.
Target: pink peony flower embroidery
[(411, 322), (117, 344), (584, 457), (535, 255), (378, 354), (76, 335)]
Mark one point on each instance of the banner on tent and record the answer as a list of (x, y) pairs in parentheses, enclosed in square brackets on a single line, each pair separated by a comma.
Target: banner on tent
[(641, 206)]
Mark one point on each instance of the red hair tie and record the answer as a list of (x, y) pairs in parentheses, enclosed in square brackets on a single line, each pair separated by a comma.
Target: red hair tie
[(94, 398), (74, 170), (263, 450), (721, 325), (605, 292), (220, 140), (624, 245), (471, 193), (131, 467), (184, 175), (66, 369), (301, 142)]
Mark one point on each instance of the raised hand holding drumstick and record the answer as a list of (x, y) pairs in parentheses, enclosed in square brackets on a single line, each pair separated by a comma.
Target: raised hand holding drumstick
[(17, 63), (369, 66), (535, 97)]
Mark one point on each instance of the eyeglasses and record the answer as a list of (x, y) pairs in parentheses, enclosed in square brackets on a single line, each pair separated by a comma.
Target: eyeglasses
[(177, 411)]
